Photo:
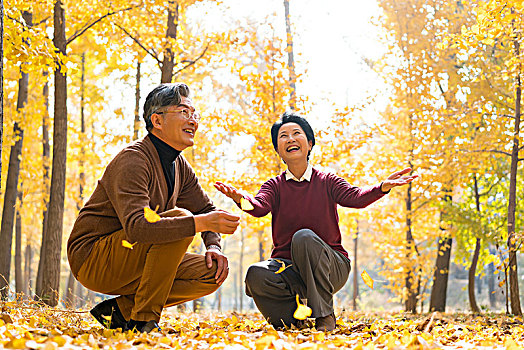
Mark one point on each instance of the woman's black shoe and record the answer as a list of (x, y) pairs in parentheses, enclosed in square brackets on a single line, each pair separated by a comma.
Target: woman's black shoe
[(142, 326), (109, 315)]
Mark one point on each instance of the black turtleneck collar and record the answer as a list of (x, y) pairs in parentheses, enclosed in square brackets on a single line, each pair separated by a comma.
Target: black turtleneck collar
[(165, 151), (167, 156)]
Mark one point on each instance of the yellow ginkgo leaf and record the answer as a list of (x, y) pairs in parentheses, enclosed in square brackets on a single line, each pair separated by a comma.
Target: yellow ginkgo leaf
[(367, 279), (302, 312), (151, 215), (126, 244), (282, 267), (245, 204)]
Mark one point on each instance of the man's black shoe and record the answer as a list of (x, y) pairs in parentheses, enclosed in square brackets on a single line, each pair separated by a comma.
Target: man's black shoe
[(142, 326), (109, 315)]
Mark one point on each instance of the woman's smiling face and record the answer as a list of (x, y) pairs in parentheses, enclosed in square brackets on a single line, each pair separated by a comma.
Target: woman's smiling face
[(293, 144)]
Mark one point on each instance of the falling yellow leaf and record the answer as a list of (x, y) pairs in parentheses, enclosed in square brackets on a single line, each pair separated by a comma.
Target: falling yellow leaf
[(302, 312), (126, 244), (282, 267), (151, 215), (367, 279), (245, 204)]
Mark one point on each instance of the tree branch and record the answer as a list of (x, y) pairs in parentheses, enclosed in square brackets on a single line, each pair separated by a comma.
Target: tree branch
[(490, 188), (41, 21), (151, 52), (486, 150), (193, 61), (89, 25)]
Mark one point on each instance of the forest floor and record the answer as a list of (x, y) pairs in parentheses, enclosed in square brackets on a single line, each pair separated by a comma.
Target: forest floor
[(30, 326)]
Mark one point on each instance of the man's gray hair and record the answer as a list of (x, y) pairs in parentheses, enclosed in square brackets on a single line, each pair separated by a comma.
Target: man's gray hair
[(168, 94)]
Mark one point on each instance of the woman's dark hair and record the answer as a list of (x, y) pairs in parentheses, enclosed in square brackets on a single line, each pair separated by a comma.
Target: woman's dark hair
[(168, 94), (290, 117)]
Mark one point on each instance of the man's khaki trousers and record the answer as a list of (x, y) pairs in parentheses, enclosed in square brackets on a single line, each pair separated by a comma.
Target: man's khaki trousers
[(148, 277)]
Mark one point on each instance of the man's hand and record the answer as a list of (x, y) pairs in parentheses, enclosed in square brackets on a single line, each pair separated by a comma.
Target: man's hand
[(229, 191), (396, 179), (222, 264), (217, 221)]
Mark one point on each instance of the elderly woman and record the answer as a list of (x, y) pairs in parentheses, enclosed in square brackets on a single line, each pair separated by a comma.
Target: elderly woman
[(306, 236)]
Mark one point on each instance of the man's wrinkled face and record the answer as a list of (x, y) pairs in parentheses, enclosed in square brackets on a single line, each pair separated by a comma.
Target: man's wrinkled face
[(176, 125)]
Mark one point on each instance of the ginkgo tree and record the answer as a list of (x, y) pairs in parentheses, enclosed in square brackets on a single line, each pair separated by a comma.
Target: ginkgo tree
[(490, 52)]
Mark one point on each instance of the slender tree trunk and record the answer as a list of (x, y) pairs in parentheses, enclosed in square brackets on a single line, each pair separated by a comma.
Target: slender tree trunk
[(136, 125), (440, 277), (19, 279), (71, 281), (411, 278), (46, 158), (13, 172), (69, 299), (475, 259), (235, 287), (290, 59), (169, 57), (261, 252), (512, 202), (1, 83), (81, 162), (28, 275), (241, 271), (355, 270), (491, 283), (49, 273)]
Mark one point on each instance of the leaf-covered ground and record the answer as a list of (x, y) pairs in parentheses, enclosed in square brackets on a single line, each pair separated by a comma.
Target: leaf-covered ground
[(29, 326)]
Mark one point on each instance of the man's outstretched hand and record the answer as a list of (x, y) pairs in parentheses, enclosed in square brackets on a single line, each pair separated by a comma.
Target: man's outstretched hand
[(397, 179)]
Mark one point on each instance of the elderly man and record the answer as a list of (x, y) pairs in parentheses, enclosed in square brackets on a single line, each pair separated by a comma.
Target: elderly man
[(154, 271)]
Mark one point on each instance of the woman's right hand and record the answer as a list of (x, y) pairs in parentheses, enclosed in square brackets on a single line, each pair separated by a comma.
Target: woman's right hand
[(229, 191)]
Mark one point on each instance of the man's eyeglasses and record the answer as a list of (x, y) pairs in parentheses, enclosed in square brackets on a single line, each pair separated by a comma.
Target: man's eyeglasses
[(186, 113)]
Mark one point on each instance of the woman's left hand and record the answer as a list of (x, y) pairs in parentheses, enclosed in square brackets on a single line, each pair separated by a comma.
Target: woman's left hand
[(397, 179)]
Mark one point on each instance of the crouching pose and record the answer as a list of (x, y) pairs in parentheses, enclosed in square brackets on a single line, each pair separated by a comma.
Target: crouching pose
[(306, 236), (115, 249)]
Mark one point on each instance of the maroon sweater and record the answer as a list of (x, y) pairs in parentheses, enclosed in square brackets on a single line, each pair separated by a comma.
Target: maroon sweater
[(313, 205)]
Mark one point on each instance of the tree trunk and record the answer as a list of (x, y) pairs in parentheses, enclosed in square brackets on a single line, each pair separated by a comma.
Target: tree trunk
[(290, 59), (512, 202), (169, 57), (46, 158), (261, 252), (241, 272), (49, 269), (136, 125), (491, 284), (69, 299), (475, 259), (355, 270), (410, 303), (440, 277), (27, 268), (11, 187), (19, 279), (81, 164), (1, 83)]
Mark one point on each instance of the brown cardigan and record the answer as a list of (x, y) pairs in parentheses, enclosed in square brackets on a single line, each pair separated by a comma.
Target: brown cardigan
[(134, 179)]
